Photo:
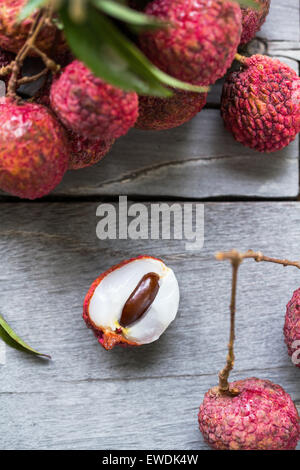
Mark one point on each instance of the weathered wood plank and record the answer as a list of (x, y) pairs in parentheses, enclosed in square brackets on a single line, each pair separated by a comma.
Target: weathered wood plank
[(282, 23), (50, 255)]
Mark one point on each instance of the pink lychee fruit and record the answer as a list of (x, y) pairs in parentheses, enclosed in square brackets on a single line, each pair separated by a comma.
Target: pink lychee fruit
[(86, 152), (90, 107), (34, 151), (252, 19), (165, 113), (200, 42), (292, 327), (14, 33), (132, 303), (260, 104), (261, 417)]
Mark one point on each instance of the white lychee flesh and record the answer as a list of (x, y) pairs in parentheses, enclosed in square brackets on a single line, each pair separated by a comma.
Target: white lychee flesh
[(111, 294)]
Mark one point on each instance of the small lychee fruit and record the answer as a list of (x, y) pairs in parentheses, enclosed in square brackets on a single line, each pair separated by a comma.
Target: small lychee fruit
[(292, 327), (200, 42), (132, 303), (262, 416), (14, 33), (86, 152), (157, 113), (34, 150), (260, 104), (89, 106), (252, 19)]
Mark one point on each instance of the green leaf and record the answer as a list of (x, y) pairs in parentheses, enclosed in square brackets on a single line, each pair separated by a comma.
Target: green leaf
[(249, 4), (111, 56), (10, 338), (30, 7), (128, 15)]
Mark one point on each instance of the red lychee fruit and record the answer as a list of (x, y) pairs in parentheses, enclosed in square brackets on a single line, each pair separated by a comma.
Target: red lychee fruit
[(165, 113), (261, 417), (13, 33), (292, 327), (132, 303), (201, 41), (260, 104), (90, 107), (86, 152), (252, 20), (34, 151)]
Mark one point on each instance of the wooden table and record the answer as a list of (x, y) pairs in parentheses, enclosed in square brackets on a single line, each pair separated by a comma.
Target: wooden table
[(148, 397)]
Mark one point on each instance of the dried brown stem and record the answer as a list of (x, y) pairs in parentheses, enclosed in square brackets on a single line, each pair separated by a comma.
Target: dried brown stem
[(236, 258), (41, 19)]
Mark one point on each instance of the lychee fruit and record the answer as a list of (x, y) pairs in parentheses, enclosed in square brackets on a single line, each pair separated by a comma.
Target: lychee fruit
[(292, 327), (262, 416), (200, 42), (86, 152), (157, 113), (90, 107), (252, 19), (132, 303), (34, 151), (14, 33), (260, 104)]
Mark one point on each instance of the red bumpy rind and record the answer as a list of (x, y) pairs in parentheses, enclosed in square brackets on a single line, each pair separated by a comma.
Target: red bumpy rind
[(261, 104), (292, 327), (262, 417)]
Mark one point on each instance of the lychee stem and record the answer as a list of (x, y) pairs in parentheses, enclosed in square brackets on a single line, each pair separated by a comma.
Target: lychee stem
[(224, 374), (236, 258), (240, 58), (15, 66)]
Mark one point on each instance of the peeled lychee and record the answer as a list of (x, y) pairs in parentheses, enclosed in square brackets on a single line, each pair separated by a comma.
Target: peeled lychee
[(165, 113), (261, 104), (261, 417), (132, 303), (90, 107), (253, 20), (200, 42), (34, 151), (86, 152), (14, 33), (292, 327)]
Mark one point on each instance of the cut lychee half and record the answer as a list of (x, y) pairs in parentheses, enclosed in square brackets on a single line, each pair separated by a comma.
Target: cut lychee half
[(132, 303)]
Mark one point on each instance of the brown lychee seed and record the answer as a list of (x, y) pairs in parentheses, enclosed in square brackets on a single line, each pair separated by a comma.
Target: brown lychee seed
[(292, 328), (85, 152), (262, 416), (132, 303), (253, 19), (200, 41), (34, 151), (13, 33), (157, 113), (90, 107), (261, 104)]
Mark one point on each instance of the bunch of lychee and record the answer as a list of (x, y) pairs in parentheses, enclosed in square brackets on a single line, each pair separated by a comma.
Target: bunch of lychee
[(260, 103)]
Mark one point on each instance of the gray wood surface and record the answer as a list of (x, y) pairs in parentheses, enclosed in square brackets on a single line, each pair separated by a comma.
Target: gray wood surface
[(87, 398)]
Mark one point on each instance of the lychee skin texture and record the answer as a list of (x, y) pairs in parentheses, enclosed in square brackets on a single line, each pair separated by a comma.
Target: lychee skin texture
[(262, 417), (260, 104), (13, 33), (34, 150), (292, 327), (86, 152), (90, 107), (252, 20), (201, 42), (165, 113)]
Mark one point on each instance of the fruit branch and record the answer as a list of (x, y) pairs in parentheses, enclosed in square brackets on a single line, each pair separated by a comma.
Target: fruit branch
[(43, 17), (236, 258)]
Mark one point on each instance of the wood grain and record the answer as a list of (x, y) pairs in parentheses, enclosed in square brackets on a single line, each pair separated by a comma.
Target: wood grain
[(50, 255)]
